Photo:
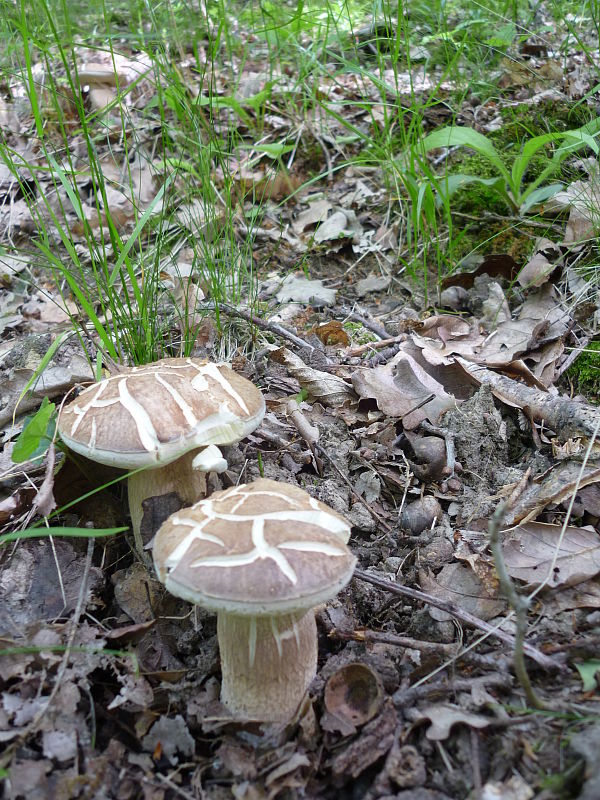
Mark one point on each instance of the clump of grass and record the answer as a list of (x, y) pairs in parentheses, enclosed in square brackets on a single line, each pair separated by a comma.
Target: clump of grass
[(113, 271)]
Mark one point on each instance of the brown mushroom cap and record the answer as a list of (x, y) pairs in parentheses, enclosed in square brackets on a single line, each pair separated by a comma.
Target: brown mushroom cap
[(264, 548), (151, 415)]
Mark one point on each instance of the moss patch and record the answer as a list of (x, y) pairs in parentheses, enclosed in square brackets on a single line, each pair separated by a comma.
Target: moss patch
[(584, 374)]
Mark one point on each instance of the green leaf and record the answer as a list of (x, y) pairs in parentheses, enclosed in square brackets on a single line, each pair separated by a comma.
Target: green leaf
[(540, 196), (82, 533), (587, 672), (454, 136), (273, 150), (453, 183), (40, 427)]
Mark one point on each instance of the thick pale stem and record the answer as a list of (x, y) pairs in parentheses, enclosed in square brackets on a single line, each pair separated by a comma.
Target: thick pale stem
[(178, 476), (267, 664)]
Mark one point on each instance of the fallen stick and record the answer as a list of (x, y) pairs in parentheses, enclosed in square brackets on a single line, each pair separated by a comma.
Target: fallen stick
[(567, 418), (451, 608)]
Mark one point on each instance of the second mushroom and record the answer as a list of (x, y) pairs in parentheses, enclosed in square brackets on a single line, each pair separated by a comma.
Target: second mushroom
[(262, 555)]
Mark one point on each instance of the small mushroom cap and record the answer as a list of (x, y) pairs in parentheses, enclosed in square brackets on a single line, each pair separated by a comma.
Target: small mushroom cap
[(263, 548), (151, 415)]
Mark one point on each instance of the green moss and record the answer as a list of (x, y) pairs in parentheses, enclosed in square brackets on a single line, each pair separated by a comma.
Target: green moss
[(585, 372), (358, 334)]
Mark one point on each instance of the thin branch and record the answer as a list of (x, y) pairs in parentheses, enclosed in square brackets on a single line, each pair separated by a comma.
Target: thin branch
[(264, 325), (546, 662)]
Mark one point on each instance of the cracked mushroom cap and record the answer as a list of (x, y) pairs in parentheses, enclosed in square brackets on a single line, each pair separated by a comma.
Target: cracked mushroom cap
[(263, 548), (151, 415)]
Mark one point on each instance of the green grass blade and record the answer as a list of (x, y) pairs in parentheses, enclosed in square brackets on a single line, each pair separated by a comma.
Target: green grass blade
[(81, 533)]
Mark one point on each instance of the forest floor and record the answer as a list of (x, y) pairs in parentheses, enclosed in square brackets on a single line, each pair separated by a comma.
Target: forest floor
[(425, 345)]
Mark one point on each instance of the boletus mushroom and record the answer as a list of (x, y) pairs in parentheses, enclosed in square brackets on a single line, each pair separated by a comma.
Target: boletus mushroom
[(168, 417), (262, 555)]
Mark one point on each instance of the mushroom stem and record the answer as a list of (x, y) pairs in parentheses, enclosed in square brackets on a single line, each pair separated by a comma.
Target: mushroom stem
[(179, 477), (267, 663)]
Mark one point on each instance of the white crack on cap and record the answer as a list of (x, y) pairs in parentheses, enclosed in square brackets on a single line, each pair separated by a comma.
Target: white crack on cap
[(259, 548)]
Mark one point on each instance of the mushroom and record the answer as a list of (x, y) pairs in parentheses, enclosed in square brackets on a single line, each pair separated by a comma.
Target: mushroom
[(168, 417), (262, 555)]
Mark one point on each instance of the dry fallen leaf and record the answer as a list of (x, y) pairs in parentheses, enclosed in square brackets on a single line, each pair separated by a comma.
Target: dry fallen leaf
[(399, 387), (299, 289), (443, 717), (534, 552), (328, 389), (458, 584)]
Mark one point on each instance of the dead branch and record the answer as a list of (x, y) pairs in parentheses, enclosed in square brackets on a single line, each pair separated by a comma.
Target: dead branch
[(544, 661), (567, 418)]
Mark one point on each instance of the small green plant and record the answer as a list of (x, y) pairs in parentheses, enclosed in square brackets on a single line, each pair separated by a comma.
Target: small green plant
[(508, 183), (37, 433)]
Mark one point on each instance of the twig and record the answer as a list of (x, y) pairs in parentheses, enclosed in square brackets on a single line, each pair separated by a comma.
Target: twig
[(566, 417), (408, 697), (475, 761), (384, 355), (519, 604), (448, 438), (364, 348), (451, 608), (451, 651), (573, 355), (264, 325), (171, 784), (525, 223), (369, 324), (371, 637)]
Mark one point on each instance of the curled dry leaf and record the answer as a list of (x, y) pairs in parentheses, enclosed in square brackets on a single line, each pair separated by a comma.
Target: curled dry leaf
[(342, 224), (443, 717), (582, 199), (172, 734), (535, 553), (539, 268), (554, 486), (332, 333), (316, 212), (299, 289), (458, 584), (327, 389), (399, 387)]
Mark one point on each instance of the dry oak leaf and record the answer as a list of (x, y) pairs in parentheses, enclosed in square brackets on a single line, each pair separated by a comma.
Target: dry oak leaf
[(299, 289), (457, 583), (327, 389), (399, 387), (536, 553)]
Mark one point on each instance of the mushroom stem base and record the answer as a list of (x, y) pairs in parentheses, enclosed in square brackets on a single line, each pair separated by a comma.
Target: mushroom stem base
[(267, 664)]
